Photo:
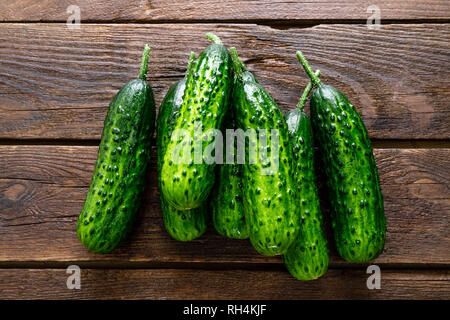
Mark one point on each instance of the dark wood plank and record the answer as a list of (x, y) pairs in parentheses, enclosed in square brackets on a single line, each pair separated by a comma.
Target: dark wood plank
[(231, 10), (42, 189), (219, 284), (56, 83)]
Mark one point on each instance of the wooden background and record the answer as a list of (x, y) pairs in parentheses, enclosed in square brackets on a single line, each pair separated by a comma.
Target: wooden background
[(56, 84)]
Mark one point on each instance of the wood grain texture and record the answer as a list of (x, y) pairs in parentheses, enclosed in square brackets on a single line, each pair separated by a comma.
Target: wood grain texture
[(219, 10), (56, 83), (220, 284), (42, 190)]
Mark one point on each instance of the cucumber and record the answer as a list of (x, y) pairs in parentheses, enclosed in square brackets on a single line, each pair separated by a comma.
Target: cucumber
[(187, 184), (226, 198), (307, 258), (119, 175), (183, 225), (352, 182), (270, 200)]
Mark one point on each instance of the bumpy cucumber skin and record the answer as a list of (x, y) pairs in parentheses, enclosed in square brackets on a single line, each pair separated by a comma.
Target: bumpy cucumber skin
[(307, 258), (352, 180), (205, 101), (270, 201), (226, 199), (183, 225), (118, 181), (226, 203)]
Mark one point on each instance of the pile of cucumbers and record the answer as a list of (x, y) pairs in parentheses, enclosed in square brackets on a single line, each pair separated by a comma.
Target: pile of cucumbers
[(278, 210)]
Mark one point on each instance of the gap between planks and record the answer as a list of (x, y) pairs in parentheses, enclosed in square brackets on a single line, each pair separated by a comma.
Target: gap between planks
[(281, 24), (259, 266)]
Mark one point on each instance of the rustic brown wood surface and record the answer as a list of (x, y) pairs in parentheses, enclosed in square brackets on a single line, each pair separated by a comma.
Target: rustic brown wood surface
[(221, 284), (40, 205), (58, 82), (55, 87), (217, 10)]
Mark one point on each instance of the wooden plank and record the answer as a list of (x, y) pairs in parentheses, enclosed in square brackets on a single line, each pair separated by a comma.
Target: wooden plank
[(56, 83), (220, 284), (42, 189), (231, 10)]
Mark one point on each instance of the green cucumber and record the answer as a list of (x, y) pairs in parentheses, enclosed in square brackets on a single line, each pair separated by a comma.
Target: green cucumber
[(352, 181), (307, 258), (270, 200), (186, 184), (226, 199), (119, 176), (183, 225)]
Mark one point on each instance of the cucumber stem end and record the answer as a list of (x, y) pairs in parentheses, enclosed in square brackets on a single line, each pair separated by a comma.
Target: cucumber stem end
[(144, 63), (215, 39), (238, 65), (304, 97), (314, 79)]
